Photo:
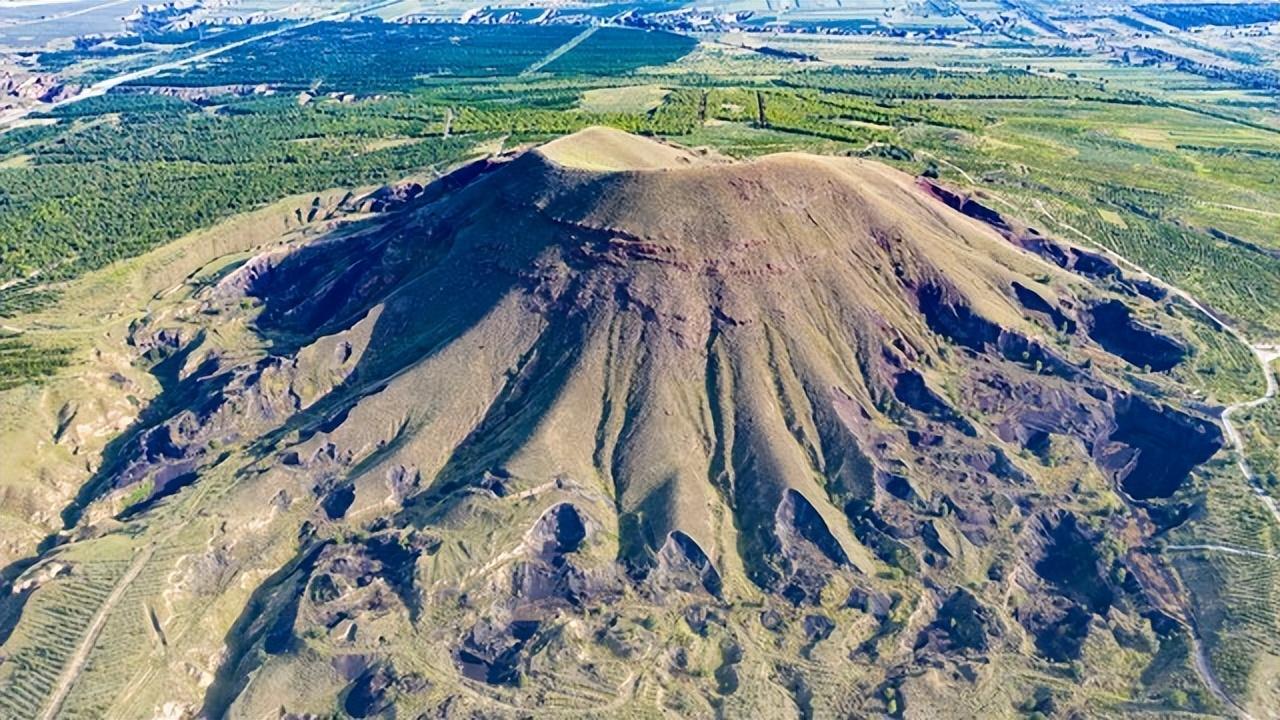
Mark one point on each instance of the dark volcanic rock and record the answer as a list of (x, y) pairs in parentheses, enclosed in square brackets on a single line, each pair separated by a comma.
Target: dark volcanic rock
[(560, 530), (963, 623), (337, 501), (1072, 564), (684, 566), (596, 391), (808, 548), (966, 204), (1032, 301), (910, 388), (818, 628), (550, 575), (368, 695), (492, 653), (1112, 326), (955, 320), (1061, 638), (1154, 448)]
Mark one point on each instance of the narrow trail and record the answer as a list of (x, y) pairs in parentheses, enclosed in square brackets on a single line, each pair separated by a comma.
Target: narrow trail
[(1200, 659), (71, 672), (555, 54), (1227, 549), (102, 86), (58, 16), (1241, 208), (75, 665), (1264, 354)]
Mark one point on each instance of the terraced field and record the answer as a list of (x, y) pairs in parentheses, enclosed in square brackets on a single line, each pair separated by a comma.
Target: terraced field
[(57, 618), (1238, 592), (130, 638)]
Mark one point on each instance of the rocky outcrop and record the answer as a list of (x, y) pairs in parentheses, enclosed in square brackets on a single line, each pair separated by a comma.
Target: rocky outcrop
[(1111, 324)]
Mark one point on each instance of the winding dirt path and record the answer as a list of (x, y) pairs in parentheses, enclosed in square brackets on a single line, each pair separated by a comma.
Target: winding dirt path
[(1265, 355), (1201, 660), (1226, 549), (56, 16)]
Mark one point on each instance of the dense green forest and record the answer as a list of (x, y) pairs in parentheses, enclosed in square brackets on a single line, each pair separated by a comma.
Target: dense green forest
[(617, 51), (21, 361), (1190, 15), (366, 57), (922, 83), (116, 175), (369, 57), (191, 40)]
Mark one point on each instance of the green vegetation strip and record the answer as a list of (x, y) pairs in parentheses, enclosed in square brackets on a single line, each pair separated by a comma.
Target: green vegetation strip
[(117, 175)]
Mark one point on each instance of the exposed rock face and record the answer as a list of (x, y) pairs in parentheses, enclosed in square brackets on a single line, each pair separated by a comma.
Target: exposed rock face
[(585, 263), (42, 88), (527, 421), (493, 654), (1112, 325), (963, 624), (1153, 448), (682, 565)]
